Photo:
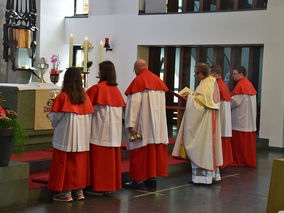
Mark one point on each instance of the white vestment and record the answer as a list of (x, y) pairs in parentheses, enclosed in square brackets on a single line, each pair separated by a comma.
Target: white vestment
[(201, 147), (225, 118), (244, 113), (106, 126), (146, 111), (71, 131)]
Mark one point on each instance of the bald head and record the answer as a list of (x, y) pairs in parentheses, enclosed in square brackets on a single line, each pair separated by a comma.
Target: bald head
[(140, 64)]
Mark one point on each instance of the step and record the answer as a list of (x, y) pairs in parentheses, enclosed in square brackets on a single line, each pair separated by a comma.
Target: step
[(42, 177)]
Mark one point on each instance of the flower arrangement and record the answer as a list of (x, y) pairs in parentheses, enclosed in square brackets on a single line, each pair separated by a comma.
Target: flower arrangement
[(55, 65), (8, 120)]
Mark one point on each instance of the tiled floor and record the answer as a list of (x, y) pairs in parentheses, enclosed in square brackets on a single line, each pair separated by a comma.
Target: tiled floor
[(242, 190)]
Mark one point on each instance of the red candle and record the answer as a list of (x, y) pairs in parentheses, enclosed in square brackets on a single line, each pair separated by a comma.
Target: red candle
[(106, 41)]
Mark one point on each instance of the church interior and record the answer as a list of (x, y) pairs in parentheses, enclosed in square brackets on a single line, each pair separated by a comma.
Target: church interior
[(41, 39)]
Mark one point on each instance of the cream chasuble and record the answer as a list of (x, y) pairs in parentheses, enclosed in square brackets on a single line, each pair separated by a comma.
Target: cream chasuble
[(202, 145), (140, 109)]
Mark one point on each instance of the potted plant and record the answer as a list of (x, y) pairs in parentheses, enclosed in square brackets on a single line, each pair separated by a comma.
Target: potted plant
[(12, 134)]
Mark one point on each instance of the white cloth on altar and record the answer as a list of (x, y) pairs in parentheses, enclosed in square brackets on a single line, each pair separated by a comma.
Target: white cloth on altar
[(106, 126), (146, 111), (244, 113), (71, 131), (225, 118), (196, 133), (32, 86)]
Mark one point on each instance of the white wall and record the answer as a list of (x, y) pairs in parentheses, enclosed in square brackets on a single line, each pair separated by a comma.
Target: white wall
[(52, 33), (119, 21)]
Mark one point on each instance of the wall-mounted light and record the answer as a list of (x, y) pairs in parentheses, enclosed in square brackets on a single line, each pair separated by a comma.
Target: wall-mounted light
[(107, 45)]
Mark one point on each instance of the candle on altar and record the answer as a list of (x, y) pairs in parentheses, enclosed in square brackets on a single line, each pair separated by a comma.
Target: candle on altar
[(101, 51), (86, 42), (71, 43)]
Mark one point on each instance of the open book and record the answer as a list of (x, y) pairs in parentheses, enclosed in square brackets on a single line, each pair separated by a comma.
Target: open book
[(185, 90), (181, 95)]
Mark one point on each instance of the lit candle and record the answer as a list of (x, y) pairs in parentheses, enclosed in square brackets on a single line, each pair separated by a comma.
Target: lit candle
[(101, 51), (71, 50), (86, 42)]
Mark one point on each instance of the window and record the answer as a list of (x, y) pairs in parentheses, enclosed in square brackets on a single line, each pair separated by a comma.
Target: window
[(81, 7), (175, 66)]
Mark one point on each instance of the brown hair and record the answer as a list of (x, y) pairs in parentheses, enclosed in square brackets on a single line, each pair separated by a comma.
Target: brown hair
[(107, 73), (241, 69), (203, 68), (72, 85), (216, 69)]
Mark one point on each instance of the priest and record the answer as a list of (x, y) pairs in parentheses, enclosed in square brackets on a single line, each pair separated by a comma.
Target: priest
[(243, 108), (225, 116), (145, 121), (200, 129)]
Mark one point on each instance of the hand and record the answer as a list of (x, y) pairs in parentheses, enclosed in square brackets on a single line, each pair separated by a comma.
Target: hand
[(185, 94), (131, 130)]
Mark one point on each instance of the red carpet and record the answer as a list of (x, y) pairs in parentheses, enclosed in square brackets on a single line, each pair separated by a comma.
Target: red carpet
[(40, 179)]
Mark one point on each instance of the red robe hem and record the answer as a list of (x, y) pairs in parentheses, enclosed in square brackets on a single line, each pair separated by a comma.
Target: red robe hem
[(105, 168), (69, 171), (227, 152), (244, 149), (148, 162)]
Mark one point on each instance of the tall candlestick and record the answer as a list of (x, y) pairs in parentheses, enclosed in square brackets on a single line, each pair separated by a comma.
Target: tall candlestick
[(101, 51), (71, 50), (86, 42)]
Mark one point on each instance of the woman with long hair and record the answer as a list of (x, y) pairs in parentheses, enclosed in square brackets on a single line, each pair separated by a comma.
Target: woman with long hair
[(71, 116), (106, 133)]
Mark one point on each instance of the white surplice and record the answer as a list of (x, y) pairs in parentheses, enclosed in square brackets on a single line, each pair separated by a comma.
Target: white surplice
[(225, 118), (106, 126), (244, 113), (71, 131), (146, 111)]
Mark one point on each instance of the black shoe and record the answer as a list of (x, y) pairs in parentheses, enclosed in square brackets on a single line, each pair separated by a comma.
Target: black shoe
[(132, 185), (150, 183), (198, 184)]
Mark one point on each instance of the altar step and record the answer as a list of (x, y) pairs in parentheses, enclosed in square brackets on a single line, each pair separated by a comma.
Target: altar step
[(40, 162)]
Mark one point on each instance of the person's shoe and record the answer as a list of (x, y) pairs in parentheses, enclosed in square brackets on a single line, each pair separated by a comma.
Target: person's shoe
[(150, 183), (132, 185), (63, 197), (79, 195)]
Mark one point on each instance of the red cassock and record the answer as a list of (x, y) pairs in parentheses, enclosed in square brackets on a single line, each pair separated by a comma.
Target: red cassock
[(226, 141), (151, 160), (105, 161), (243, 142), (69, 170)]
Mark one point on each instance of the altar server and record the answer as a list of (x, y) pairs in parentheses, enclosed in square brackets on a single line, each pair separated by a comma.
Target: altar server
[(145, 116), (106, 130), (225, 116), (70, 115), (243, 107)]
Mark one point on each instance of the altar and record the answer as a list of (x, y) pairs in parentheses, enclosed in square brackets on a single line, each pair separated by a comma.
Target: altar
[(30, 103)]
